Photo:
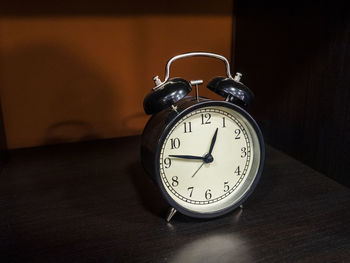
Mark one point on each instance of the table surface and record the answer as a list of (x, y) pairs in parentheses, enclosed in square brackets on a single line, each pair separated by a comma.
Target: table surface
[(92, 202)]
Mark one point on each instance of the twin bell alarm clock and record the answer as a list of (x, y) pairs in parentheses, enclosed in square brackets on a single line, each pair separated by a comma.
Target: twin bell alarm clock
[(205, 155)]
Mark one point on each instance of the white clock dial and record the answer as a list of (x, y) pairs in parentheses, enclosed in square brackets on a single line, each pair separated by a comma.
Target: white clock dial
[(213, 183)]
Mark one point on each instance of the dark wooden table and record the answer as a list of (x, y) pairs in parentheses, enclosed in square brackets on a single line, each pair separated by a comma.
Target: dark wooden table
[(92, 202)]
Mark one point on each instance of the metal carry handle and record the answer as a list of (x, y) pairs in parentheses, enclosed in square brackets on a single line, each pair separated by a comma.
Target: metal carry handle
[(159, 83)]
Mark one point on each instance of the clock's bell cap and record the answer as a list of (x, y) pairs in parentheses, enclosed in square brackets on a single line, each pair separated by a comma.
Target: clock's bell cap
[(171, 92), (236, 91)]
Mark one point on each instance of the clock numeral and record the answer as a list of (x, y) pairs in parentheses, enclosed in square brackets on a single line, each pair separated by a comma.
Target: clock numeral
[(208, 194), (175, 143), (191, 190), (226, 187), (238, 132), (243, 152), (223, 122), (167, 162), (175, 181), (238, 171), (187, 127), (206, 118)]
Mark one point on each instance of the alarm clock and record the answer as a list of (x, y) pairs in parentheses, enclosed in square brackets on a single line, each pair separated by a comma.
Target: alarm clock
[(206, 156)]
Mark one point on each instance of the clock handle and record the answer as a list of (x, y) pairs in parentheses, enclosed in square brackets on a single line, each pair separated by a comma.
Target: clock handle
[(159, 83)]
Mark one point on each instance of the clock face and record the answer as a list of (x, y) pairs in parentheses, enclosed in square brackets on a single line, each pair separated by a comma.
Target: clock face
[(209, 159)]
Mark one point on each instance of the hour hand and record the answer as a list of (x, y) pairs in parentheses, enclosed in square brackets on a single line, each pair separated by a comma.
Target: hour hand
[(213, 140), (190, 157)]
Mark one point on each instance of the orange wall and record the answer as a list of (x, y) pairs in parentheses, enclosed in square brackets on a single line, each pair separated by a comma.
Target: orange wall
[(65, 79)]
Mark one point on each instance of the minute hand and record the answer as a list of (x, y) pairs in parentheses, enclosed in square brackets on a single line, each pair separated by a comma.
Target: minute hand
[(191, 157)]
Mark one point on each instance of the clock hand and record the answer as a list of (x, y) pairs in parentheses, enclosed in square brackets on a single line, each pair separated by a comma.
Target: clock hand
[(206, 159), (190, 157), (198, 169), (213, 140)]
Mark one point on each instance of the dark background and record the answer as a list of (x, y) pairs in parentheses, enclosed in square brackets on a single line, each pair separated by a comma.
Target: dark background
[(296, 57)]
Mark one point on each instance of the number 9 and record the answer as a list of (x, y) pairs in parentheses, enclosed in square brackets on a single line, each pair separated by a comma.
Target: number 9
[(167, 162)]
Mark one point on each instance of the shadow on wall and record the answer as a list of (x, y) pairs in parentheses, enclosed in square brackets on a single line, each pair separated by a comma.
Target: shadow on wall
[(57, 96), (56, 133), (107, 7)]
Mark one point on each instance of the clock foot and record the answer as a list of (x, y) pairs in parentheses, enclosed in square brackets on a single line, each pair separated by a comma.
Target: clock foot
[(241, 206), (171, 213)]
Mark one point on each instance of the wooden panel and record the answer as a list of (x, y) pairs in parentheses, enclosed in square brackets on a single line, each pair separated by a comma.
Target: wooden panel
[(92, 202), (296, 58), (75, 72)]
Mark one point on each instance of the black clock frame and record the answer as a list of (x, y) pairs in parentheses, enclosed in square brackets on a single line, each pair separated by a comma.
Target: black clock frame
[(161, 124)]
